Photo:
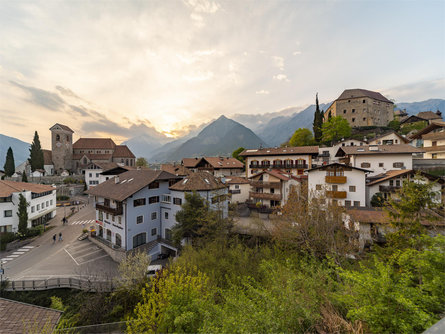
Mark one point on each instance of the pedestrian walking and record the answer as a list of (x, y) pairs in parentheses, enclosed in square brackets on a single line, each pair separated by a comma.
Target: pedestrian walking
[(60, 236), (64, 220), (54, 238)]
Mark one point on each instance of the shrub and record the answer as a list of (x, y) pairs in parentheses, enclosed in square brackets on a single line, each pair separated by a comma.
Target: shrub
[(5, 238)]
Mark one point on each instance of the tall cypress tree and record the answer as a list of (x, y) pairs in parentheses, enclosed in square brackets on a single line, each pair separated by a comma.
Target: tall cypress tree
[(36, 153), (22, 212), (9, 166), (24, 177), (318, 121)]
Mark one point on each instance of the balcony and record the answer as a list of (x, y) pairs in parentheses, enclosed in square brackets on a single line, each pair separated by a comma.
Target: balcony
[(114, 211), (262, 184), (388, 189), (279, 166), (269, 196), (336, 194), (335, 179), (234, 191)]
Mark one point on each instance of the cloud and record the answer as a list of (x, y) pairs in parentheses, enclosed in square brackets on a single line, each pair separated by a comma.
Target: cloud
[(295, 53), (203, 6), (200, 76), (417, 91), (262, 92), (278, 62), (66, 92), (281, 77), (43, 98)]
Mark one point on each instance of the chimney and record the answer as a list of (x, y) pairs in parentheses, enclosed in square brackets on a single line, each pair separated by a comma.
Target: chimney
[(116, 179)]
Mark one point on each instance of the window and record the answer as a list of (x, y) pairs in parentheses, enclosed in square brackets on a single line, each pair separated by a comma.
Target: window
[(344, 111), (434, 156), (139, 202), (38, 207), (397, 164), (7, 213), (177, 201), (153, 199), (154, 231), (97, 174), (364, 118), (43, 205), (119, 220), (166, 215), (57, 137), (90, 174), (365, 165), (47, 203), (153, 185), (347, 203), (139, 239), (139, 219), (236, 186), (166, 199), (107, 215), (168, 234), (334, 187), (353, 110), (118, 240), (397, 183), (364, 101), (101, 216), (381, 164), (32, 209), (434, 143), (352, 189), (356, 203), (154, 215), (318, 186), (353, 119), (109, 235), (391, 182)]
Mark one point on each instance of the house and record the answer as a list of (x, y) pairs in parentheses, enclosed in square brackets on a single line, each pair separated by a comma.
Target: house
[(178, 170), (38, 173), (271, 188), (424, 116), (361, 107), (389, 182), (389, 138), (218, 166), (209, 187), (343, 184), (289, 160), (111, 169), (379, 158), (130, 209), (41, 199), (239, 188), (432, 139), (326, 155)]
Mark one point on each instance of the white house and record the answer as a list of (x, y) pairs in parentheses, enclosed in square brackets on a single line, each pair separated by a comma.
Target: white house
[(290, 160), (218, 166), (326, 155), (94, 170), (343, 184), (379, 158), (239, 188), (432, 139), (389, 182), (271, 188), (41, 199), (389, 138)]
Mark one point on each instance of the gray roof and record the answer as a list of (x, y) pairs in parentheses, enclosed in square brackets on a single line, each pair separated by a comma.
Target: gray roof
[(358, 92), (198, 181), (377, 149)]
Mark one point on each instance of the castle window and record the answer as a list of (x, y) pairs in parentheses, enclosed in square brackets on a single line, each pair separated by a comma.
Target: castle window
[(67, 138), (364, 101), (344, 111), (364, 118), (353, 110), (58, 137), (353, 119)]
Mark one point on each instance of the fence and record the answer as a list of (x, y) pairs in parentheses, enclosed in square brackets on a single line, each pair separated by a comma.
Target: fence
[(109, 328), (60, 283)]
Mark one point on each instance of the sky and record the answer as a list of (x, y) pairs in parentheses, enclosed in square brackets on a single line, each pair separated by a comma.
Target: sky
[(123, 68)]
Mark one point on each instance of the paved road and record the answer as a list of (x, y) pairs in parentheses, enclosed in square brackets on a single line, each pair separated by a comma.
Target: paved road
[(44, 258)]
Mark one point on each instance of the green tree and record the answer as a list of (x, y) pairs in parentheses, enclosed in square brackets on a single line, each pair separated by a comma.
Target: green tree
[(335, 129), (318, 121), (22, 212), (394, 124), (24, 177), (141, 162), (235, 154), (36, 154), (302, 137), (377, 200), (9, 166)]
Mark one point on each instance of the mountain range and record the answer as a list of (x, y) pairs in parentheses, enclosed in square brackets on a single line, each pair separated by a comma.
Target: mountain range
[(20, 150)]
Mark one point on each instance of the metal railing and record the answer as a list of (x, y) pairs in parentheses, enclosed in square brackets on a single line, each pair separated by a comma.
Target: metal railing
[(60, 283), (114, 211)]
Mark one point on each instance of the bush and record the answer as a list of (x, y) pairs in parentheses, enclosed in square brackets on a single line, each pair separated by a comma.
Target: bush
[(69, 180), (5, 238)]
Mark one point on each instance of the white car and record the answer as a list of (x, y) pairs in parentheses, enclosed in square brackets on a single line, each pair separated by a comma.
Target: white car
[(152, 269)]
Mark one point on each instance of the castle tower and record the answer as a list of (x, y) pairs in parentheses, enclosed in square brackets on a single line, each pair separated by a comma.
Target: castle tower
[(61, 147)]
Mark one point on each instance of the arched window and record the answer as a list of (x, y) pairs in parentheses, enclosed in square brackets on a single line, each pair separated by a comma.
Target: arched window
[(288, 162), (118, 240), (67, 138), (265, 163), (57, 137), (254, 162), (277, 163), (109, 235), (85, 161), (126, 162)]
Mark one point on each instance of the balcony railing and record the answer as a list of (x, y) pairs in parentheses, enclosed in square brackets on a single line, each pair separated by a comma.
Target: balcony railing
[(234, 191), (114, 211), (269, 196), (388, 189), (279, 166), (263, 184), (336, 194), (335, 179)]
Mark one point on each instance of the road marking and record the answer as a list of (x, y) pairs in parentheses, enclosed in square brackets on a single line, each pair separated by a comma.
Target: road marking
[(79, 222), (28, 246), (5, 259), (71, 257), (14, 255), (88, 254), (97, 258), (18, 253), (24, 249)]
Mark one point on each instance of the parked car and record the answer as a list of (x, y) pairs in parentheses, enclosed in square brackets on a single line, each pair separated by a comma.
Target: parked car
[(153, 269)]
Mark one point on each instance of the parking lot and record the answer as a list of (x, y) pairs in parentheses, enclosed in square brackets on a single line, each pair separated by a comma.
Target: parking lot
[(84, 251)]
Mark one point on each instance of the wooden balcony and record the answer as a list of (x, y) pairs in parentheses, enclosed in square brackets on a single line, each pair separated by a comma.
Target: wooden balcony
[(114, 211), (389, 189), (273, 197), (263, 184), (234, 191), (336, 194), (335, 179), (279, 166)]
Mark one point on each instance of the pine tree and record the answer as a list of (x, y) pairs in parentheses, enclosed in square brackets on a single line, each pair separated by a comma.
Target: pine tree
[(9, 166), (36, 154), (24, 177), (23, 214), (318, 121)]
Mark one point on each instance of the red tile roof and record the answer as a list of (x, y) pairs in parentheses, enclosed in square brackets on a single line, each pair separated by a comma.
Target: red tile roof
[(92, 157), (224, 162), (18, 317), (94, 143), (293, 150), (274, 172), (198, 181), (122, 151), (47, 157), (7, 188), (390, 174), (236, 180), (379, 149), (190, 162), (176, 169), (64, 127)]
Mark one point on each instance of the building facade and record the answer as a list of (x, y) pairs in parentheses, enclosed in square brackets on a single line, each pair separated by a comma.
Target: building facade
[(61, 147), (362, 107)]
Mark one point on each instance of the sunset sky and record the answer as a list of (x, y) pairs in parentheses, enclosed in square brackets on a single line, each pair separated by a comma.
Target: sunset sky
[(122, 68)]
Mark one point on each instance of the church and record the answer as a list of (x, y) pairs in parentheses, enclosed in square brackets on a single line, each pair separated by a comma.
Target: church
[(79, 156)]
